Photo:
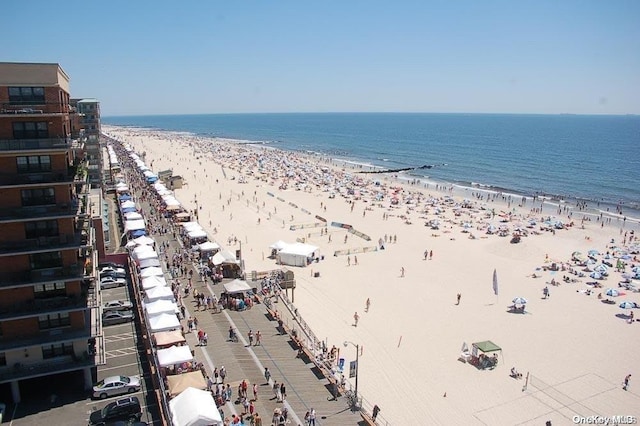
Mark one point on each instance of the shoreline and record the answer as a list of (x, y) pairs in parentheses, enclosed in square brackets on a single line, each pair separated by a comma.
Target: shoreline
[(630, 210), (413, 332)]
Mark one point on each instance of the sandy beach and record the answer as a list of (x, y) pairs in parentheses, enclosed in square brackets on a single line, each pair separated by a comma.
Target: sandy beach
[(575, 348)]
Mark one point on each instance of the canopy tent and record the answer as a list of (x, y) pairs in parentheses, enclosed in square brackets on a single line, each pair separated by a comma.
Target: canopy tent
[(134, 225), (485, 347), (197, 233), (167, 338), (208, 246), (141, 249), (296, 254), (149, 263), (150, 272), (178, 383), (138, 233), (174, 355), (236, 286), (278, 245), (127, 204), (223, 256), (132, 216), (161, 306), (150, 254), (194, 407), (147, 241), (157, 293), (153, 281), (163, 322)]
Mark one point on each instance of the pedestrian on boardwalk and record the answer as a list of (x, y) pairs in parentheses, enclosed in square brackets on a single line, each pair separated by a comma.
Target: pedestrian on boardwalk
[(267, 374), (276, 390), (626, 382), (223, 373), (250, 335), (258, 338), (283, 392), (255, 391)]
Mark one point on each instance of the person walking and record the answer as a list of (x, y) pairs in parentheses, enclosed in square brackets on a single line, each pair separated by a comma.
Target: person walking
[(255, 391), (283, 392), (267, 374), (250, 335), (223, 373), (356, 317), (312, 417), (626, 382), (258, 338), (458, 297), (367, 304), (402, 272)]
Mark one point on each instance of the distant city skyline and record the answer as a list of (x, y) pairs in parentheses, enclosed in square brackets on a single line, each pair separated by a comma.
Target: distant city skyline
[(143, 58)]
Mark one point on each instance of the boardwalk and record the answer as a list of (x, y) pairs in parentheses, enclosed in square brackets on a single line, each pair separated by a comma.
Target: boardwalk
[(306, 386)]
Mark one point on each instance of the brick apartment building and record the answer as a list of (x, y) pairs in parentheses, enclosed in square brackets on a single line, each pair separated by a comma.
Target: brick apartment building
[(49, 306)]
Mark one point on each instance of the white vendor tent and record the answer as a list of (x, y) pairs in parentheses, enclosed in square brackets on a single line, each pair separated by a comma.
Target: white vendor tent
[(296, 254), (150, 272), (157, 293), (153, 281), (278, 245), (208, 246), (161, 306), (144, 240), (134, 225), (194, 407), (149, 263), (223, 256), (174, 355), (236, 286), (197, 233), (127, 204), (132, 216), (149, 254), (163, 322)]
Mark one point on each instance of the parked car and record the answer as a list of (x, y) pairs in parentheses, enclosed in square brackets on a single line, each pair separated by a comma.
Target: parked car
[(117, 305), (116, 317), (116, 385), (110, 264), (109, 271), (123, 409), (110, 282)]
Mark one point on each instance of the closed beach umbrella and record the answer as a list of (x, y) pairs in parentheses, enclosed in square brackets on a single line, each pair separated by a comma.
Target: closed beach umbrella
[(628, 305), (520, 301)]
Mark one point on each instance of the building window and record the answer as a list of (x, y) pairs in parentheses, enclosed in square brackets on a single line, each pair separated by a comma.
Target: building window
[(26, 95), (54, 320), (46, 291), (30, 130), (34, 163), (60, 349), (38, 197), (46, 260), (43, 228), (3, 359)]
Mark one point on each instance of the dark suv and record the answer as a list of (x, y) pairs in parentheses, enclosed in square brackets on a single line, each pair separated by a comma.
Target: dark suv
[(122, 409)]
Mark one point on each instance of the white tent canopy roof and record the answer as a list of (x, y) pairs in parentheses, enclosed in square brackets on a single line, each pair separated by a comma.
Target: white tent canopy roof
[(150, 272), (236, 286), (132, 216), (161, 306), (146, 254), (208, 246), (159, 292), (163, 321), (223, 256), (149, 263), (144, 240), (134, 225), (194, 407), (127, 204), (153, 281), (197, 233), (300, 249), (174, 355), (278, 245)]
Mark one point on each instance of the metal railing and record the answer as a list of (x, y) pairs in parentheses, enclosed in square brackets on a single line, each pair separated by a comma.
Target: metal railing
[(43, 243), (31, 144), (35, 107)]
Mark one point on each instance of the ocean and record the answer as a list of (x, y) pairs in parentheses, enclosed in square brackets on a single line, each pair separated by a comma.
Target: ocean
[(586, 157)]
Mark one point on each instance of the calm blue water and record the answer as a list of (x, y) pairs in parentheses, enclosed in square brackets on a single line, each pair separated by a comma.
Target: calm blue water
[(573, 156)]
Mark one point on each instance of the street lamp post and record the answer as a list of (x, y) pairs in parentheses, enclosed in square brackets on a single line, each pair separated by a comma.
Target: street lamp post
[(346, 343)]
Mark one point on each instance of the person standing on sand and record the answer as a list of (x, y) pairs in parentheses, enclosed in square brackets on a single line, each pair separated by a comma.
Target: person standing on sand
[(426, 254), (431, 255), (355, 260), (402, 272), (458, 298), (626, 382), (356, 317), (348, 260), (367, 304)]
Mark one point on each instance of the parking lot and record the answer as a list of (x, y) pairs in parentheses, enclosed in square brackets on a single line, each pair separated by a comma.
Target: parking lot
[(49, 400)]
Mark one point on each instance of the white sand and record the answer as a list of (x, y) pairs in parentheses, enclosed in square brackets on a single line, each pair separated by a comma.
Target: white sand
[(572, 341)]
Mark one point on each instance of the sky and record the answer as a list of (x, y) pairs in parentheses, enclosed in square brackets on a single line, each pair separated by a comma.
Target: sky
[(148, 57)]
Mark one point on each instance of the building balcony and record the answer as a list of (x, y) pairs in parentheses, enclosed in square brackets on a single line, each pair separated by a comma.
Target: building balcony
[(50, 144), (66, 177), (44, 244), (35, 108), (53, 211), (44, 276), (48, 367), (53, 305)]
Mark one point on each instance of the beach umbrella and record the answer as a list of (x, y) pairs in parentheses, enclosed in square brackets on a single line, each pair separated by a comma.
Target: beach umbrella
[(613, 292), (593, 252), (635, 269), (628, 305), (602, 269), (519, 301), (591, 264), (596, 275)]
